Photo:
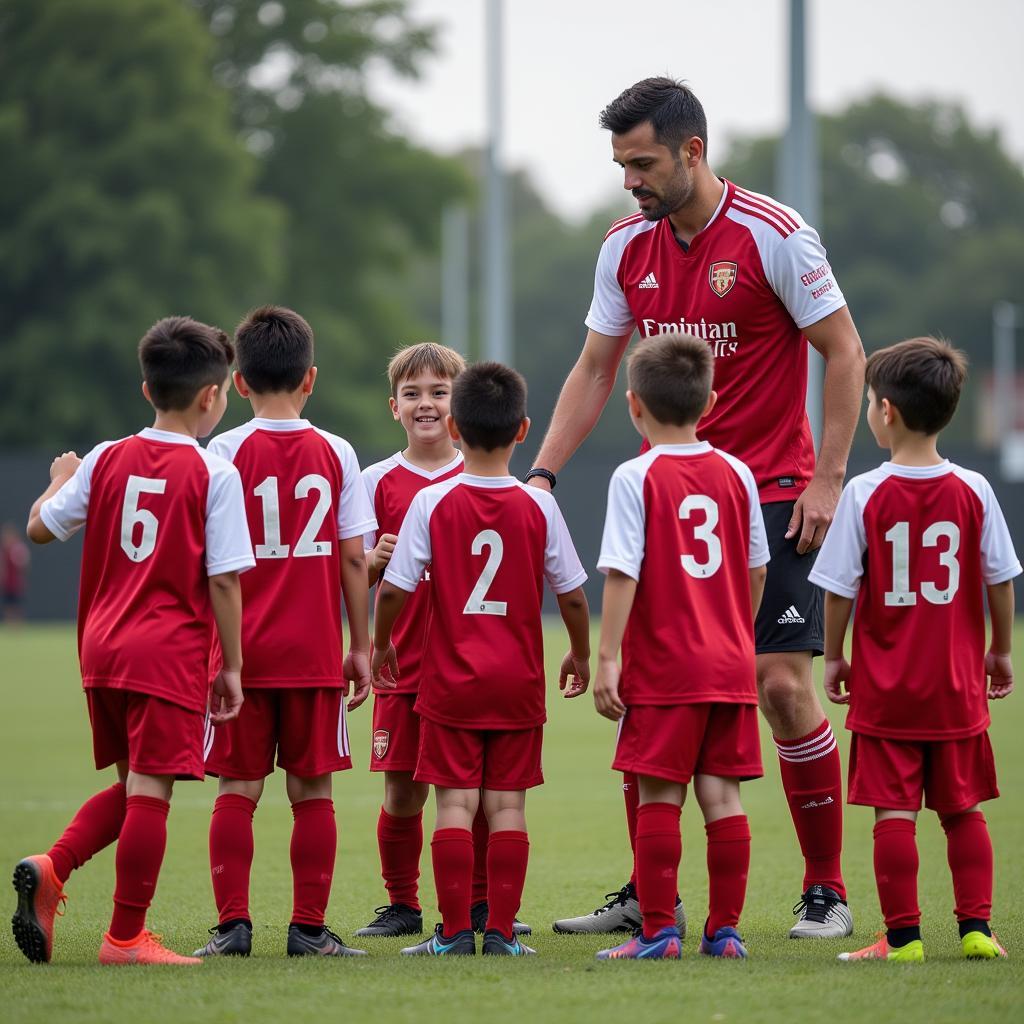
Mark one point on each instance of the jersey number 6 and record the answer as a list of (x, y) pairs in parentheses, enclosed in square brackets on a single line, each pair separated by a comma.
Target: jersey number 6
[(132, 516)]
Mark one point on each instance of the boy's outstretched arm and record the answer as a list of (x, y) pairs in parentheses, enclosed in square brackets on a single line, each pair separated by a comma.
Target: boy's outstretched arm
[(390, 602), (226, 599), (355, 590), (837, 668), (616, 604), (61, 470), (998, 663), (576, 616)]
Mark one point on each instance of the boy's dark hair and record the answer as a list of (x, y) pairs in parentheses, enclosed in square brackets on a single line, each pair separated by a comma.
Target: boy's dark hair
[(488, 405), (671, 374), (179, 357), (275, 349), (672, 109), (424, 357), (922, 378)]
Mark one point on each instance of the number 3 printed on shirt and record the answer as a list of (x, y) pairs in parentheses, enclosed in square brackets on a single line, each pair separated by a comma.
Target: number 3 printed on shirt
[(899, 537), (477, 603), (705, 533), (307, 545), (132, 516)]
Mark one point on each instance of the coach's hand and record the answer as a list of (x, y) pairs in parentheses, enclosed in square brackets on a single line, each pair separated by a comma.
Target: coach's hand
[(227, 697), (813, 513), (356, 670), (837, 672), (606, 691), (579, 669), (999, 669)]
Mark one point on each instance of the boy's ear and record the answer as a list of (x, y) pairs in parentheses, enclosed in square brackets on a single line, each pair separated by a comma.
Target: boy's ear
[(308, 381), (635, 405), (393, 402), (889, 412), (453, 430), (145, 393), (240, 385), (207, 396), (710, 404), (524, 429)]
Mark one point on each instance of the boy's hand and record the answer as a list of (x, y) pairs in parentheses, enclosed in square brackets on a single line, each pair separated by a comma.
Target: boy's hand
[(837, 672), (579, 669), (64, 466), (381, 657), (356, 670), (227, 697), (377, 560), (606, 691), (999, 669)]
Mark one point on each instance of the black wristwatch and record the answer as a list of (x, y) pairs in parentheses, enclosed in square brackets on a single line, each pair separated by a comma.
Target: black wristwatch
[(546, 473)]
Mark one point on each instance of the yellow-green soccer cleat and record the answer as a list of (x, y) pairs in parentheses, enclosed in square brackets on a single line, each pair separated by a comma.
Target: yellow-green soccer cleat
[(911, 953), (979, 946)]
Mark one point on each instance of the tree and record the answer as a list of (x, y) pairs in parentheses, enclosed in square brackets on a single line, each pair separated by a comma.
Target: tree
[(126, 197)]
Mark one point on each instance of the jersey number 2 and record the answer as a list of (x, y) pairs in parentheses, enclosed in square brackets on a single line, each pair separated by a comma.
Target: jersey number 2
[(477, 603), (132, 516), (307, 545), (899, 538)]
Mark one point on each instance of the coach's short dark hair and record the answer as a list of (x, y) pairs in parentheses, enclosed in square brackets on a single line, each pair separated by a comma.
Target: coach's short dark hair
[(922, 378), (488, 405), (179, 357), (672, 109), (671, 374), (275, 349)]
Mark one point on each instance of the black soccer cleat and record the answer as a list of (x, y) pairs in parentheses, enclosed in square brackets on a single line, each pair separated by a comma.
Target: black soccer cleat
[(393, 920), (460, 944), (478, 915), (235, 940), (326, 943), (496, 944)]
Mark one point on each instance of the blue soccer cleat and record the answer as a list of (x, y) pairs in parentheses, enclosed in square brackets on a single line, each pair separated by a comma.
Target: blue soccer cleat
[(460, 944), (666, 945), (726, 943), (496, 944)]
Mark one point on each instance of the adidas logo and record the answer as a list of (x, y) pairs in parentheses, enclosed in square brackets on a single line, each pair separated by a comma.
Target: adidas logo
[(790, 615), (650, 281), (816, 803)]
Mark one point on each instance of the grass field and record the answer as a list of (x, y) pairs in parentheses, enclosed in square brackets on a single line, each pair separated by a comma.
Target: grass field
[(578, 852)]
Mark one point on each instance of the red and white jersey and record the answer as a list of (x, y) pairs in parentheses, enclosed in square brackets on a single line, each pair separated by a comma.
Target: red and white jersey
[(161, 516), (748, 284), (491, 542), (391, 485), (685, 522), (302, 495), (915, 546)]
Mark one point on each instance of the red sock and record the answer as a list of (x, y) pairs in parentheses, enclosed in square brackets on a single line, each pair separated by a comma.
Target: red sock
[(481, 837), (728, 865), (452, 853), (631, 794), (507, 856), (400, 841), (896, 872), (231, 854), (96, 825), (969, 849), (659, 848), (313, 848), (140, 852), (812, 780)]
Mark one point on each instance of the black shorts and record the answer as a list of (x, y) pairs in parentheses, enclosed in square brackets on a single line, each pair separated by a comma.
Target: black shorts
[(791, 617)]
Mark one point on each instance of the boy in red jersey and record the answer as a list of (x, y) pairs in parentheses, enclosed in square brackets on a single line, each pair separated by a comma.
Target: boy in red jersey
[(916, 542), (307, 511), (491, 542), (165, 541), (684, 550)]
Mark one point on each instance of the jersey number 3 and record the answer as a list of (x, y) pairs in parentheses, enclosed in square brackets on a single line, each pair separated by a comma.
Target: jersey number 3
[(705, 533)]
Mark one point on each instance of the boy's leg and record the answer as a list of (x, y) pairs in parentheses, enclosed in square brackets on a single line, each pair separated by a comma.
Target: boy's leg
[(508, 853), (896, 866), (658, 851), (631, 797), (969, 851), (231, 848), (313, 849), (452, 855), (728, 854), (96, 825), (481, 837), (400, 836)]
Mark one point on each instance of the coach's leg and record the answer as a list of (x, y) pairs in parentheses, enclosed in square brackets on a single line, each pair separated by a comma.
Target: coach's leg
[(809, 761)]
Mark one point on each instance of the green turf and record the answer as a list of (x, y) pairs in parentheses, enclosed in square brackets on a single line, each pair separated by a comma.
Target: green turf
[(578, 852)]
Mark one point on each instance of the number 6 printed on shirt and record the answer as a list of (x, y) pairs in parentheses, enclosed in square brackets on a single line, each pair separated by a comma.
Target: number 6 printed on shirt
[(132, 515)]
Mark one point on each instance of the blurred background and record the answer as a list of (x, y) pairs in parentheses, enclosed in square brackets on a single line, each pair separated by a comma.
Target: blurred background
[(205, 156)]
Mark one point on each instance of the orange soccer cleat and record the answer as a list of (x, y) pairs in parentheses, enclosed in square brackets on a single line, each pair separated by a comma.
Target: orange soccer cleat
[(911, 953), (145, 948), (40, 894)]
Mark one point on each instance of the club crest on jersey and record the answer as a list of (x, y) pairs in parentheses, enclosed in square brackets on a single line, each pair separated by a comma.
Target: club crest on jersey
[(381, 738), (721, 277)]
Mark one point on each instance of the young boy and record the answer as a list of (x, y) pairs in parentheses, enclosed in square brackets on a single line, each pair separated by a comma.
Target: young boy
[(307, 512), (915, 542), (684, 550), (491, 542), (165, 541)]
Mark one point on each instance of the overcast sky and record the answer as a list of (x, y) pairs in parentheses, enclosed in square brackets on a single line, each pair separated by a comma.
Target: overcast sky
[(565, 59)]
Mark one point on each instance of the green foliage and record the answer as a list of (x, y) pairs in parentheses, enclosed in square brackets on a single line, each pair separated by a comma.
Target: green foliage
[(126, 197)]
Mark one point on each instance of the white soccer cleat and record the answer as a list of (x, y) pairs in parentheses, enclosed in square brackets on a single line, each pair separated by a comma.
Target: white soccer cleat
[(821, 914)]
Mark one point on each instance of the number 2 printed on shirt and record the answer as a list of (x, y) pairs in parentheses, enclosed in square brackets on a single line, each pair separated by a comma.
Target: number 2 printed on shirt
[(477, 603), (307, 545)]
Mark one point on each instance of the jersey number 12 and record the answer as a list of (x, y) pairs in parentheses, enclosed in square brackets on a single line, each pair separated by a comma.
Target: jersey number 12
[(307, 545)]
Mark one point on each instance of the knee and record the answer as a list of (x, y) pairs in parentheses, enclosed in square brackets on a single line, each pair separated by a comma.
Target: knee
[(782, 693), (403, 797)]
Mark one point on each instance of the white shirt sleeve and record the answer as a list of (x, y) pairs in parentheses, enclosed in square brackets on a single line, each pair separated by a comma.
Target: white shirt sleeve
[(228, 547), (999, 561), (609, 312), (355, 510), (839, 565), (799, 273), (370, 481), (412, 552), (625, 524), (64, 513), (757, 553), (563, 569)]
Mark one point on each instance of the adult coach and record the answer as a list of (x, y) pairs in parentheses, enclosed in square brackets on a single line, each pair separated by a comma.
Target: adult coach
[(745, 273)]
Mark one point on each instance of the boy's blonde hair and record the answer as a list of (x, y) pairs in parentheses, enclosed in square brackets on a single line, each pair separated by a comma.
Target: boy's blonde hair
[(426, 357)]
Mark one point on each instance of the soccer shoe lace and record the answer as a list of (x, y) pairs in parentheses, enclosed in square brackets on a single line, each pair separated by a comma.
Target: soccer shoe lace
[(40, 899), (617, 899), (146, 948), (821, 913), (392, 920), (324, 944)]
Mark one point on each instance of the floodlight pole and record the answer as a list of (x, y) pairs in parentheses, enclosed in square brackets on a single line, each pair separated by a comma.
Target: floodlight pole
[(1004, 367), (455, 277)]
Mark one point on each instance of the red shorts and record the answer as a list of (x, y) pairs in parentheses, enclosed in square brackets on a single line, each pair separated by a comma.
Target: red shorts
[(154, 736), (678, 741), (893, 774), (505, 759), (396, 733), (304, 726)]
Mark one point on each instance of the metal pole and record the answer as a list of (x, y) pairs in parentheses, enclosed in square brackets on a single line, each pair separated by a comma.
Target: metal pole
[(455, 277), (797, 175), (496, 336), (1004, 367)]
